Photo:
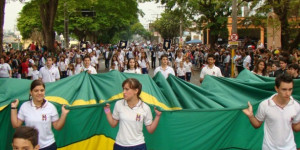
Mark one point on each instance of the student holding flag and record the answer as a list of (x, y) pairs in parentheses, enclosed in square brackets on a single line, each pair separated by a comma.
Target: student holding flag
[(131, 112)]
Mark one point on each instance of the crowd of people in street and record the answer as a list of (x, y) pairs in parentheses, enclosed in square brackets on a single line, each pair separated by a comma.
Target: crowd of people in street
[(34, 63), (43, 66)]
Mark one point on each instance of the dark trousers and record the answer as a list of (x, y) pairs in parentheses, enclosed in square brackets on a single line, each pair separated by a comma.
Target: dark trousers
[(153, 61), (144, 71), (137, 147), (106, 63), (188, 76), (50, 147)]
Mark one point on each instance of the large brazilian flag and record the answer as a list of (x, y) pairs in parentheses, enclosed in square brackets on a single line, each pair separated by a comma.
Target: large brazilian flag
[(208, 117)]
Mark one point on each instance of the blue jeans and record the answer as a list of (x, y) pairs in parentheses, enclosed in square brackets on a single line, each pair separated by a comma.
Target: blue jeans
[(137, 147)]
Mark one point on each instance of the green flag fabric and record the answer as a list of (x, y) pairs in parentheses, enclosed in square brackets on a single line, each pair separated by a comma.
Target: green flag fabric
[(208, 117)]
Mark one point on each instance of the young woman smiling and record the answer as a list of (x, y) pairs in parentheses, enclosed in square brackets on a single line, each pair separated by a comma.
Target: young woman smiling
[(131, 112)]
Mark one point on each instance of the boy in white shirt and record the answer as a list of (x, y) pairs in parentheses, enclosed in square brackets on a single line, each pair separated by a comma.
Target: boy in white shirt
[(181, 71)]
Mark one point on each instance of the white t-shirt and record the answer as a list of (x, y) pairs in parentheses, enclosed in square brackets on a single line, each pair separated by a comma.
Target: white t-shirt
[(143, 63), (94, 61), (62, 66), (137, 71), (181, 71), (4, 70), (30, 69), (35, 75), (246, 61), (70, 73), (49, 75), (214, 71), (78, 68), (278, 132), (41, 119), (131, 122), (165, 72), (160, 53), (187, 66), (178, 60), (90, 68)]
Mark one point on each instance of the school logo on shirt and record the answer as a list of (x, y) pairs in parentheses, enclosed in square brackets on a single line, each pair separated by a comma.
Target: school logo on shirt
[(138, 117), (214, 73), (44, 117)]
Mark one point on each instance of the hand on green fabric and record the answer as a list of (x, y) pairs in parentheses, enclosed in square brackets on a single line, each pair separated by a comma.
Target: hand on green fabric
[(15, 103), (158, 113), (248, 111)]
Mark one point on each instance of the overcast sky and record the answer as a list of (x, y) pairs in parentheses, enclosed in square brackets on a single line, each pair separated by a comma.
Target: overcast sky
[(151, 10)]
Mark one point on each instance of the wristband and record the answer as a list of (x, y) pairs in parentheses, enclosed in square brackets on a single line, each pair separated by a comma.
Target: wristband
[(107, 110), (13, 108)]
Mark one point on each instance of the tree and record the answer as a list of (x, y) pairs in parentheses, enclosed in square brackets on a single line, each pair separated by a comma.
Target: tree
[(168, 25), (285, 10), (47, 13), (2, 9), (29, 20), (108, 20), (213, 15)]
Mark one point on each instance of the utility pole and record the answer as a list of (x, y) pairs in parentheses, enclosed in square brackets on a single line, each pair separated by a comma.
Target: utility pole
[(234, 17), (234, 31)]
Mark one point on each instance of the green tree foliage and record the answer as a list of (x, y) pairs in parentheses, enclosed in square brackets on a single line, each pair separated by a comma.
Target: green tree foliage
[(168, 25), (26, 24), (139, 29), (287, 11), (212, 15), (111, 17)]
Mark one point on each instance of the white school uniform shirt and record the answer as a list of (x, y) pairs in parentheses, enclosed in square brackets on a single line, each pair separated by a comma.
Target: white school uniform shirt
[(35, 75), (166, 72), (4, 70), (30, 69), (278, 132), (187, 66), (131, 122), (178, 60), (143, 63), (41, 119), (160, 53), (90, 68), (246, 61), (62, 66), (137, 71), (78, 68), (70, 73), (214, 71), (49, 74), (181, 71), (94, 61)]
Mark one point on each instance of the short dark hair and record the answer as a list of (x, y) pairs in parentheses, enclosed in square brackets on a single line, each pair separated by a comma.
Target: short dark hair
[(283, 78), (164, 55), (211, 56), (27, 133), (283, 59), (49, 57), (294, 66), (87, 57)]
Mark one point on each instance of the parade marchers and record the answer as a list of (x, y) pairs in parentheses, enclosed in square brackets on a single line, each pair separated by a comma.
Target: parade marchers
[(36, 62)]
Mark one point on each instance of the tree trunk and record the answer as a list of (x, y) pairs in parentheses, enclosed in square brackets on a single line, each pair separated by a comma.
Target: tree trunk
[(281, 9), (47, 13), (2, 9)]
